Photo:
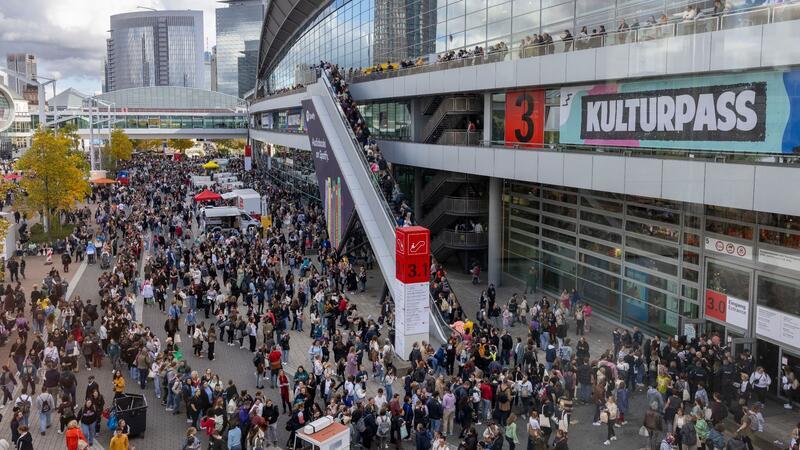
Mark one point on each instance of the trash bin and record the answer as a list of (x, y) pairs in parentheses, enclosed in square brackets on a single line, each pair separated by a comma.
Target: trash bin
[(133, 409)]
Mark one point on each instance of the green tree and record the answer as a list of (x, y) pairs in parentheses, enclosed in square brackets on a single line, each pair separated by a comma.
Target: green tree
[(181, 145), (121, 147), (54, 175)]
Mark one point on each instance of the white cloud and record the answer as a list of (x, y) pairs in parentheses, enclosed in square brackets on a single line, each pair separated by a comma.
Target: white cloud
[(68, 37)]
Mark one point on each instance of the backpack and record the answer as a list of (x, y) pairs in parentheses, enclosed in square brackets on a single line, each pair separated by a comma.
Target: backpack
[(46, 406), (219, 421), (25, 405), (177, 387), (361, 425), (688, 434), (384, 426), (753, 422)]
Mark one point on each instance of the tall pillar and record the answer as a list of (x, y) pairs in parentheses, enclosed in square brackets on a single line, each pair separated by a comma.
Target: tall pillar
[(495, 230), (418, 186), (487, 116)]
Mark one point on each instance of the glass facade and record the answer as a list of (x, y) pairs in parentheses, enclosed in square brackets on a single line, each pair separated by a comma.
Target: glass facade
[(239, 22), (388, 120), (640, 260), (155, 48), (360, 33), (287, 121), (171, 98)]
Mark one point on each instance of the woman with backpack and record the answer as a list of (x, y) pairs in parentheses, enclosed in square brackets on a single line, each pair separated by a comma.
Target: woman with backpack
[(384, 427)]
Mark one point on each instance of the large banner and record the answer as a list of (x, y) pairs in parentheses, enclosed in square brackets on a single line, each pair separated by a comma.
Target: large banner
[(746, 112), (525, 118), (335, 196)]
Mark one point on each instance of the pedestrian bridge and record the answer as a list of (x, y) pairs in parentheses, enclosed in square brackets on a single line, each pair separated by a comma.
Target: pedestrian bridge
[(156, 112)]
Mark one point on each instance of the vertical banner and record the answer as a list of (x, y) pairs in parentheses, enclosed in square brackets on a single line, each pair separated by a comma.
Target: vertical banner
[(412, 308), (336, 198), (525, 118), (248, 157)]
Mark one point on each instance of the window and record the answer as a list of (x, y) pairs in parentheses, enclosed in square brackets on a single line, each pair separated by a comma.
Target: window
[(601, 234), (729, 229), (728, 280), (778, 294)]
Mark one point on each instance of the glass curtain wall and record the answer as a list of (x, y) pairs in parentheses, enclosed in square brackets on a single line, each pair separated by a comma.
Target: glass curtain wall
[(361, 33), (388, 120), (639, 260), (622, 254)]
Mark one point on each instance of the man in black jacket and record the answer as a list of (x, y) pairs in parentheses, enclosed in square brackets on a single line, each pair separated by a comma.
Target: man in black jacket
[(271, 414), (435, 411)]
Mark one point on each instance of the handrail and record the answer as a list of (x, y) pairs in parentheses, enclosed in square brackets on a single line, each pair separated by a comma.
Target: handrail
[(643, 32), (447, 106), (389, 215), (439, 323)]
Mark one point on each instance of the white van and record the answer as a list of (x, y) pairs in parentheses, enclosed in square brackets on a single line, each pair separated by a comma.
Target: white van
[(226, 218)]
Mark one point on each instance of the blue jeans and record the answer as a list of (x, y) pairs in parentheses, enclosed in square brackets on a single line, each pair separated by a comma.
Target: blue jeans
[(487, 407), (44, 421), (435, 423), (388, 389), (89, 432), (143, 378)]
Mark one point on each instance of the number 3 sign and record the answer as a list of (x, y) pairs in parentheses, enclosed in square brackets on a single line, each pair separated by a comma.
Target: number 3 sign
[(525, 118)]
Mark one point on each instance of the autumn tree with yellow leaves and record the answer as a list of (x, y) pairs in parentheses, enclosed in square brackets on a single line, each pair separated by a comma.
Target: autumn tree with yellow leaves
[(120, 148), (54, 175)]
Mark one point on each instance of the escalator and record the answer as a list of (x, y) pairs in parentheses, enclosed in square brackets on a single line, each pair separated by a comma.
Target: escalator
[(374, 212)]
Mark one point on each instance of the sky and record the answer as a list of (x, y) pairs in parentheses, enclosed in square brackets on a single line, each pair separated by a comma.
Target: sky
[(68, 37)]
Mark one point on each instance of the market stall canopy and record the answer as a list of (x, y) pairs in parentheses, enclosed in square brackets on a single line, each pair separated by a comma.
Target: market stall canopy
[(207, 196), (229, 195), (102, 181), (210, 165), (12, 176)]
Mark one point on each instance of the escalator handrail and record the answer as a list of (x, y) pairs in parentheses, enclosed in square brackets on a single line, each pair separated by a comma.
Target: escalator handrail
[(442, 325), (362, 157)]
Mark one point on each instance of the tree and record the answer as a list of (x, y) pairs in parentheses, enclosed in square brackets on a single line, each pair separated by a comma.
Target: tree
[(121, 147), (181, 145), (54, 175), (227, 147), (147, 144)]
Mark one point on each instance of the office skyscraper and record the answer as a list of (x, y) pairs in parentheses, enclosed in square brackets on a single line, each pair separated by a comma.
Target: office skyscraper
[(155, 48), (239, 22), (25, 65)]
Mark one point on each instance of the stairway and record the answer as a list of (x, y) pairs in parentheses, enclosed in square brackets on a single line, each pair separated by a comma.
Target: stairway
[(373, 209), (449, 208)]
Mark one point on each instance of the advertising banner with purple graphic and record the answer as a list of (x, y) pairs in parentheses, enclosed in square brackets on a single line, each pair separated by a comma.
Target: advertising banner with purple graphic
[(336, 198), (756, 112)]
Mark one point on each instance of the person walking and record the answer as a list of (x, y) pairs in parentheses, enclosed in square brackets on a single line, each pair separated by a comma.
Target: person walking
[(73, 436), (45, 403), (88, 415), (654, 422), (511, 431)]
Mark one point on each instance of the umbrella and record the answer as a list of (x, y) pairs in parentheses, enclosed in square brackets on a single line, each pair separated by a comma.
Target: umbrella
[(210, 165), (102, 181), (12, 176), (207, 196)]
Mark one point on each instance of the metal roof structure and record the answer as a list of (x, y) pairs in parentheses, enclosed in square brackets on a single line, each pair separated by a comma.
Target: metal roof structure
[(283, 20)]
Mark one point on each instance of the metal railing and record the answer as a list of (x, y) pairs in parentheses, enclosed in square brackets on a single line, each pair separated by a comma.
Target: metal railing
[(456, 206), (459, 137), (702, 24), (441, 178), (460, 239), (455, 104)]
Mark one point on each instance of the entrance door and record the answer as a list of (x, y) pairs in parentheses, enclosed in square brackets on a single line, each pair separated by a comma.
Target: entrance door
[(790, 362), (768, 357), (740, 344)]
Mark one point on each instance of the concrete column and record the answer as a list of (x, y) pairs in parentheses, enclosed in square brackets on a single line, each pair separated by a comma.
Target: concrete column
[(418, 186), (487, 116), (495, 230)]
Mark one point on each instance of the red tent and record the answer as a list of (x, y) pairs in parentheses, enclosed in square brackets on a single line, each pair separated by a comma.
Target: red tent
[(12, 177), (207, 196)]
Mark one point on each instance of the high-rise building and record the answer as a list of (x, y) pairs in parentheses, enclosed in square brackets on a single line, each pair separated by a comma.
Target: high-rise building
[(207, 70), (155, 48), (239, 22), (25, 65), (247, 67), (214, 68)]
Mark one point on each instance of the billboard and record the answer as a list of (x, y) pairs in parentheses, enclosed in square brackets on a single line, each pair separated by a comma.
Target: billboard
[(755, 112), (335, 195), (525, 118)]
